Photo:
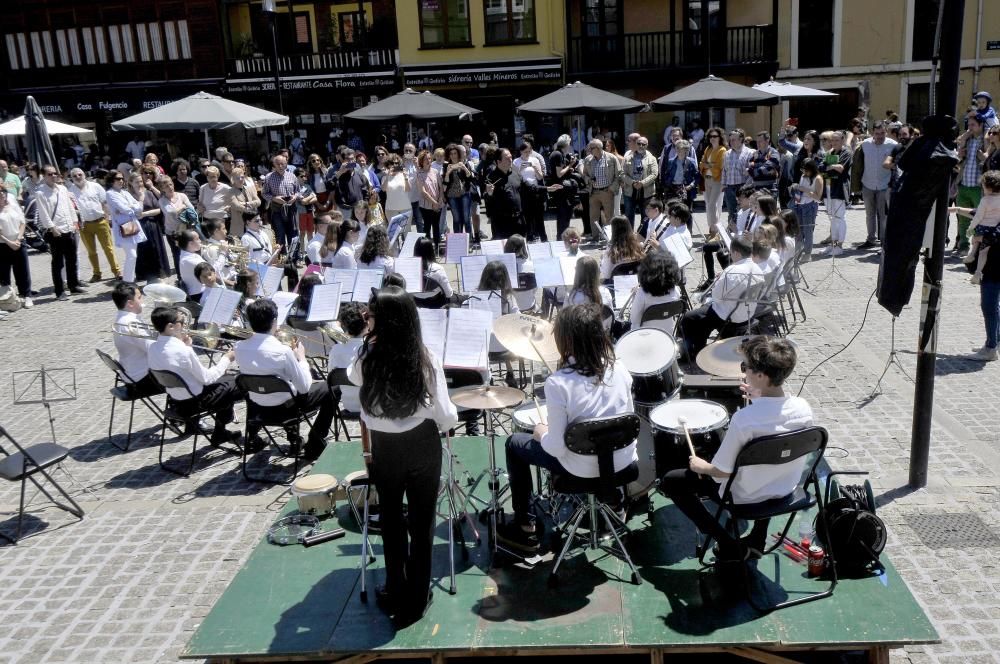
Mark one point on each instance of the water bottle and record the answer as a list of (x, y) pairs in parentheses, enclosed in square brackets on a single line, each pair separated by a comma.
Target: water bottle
[(805, 532)]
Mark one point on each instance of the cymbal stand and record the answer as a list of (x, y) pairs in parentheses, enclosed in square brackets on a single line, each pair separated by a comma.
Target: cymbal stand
[(495, 509), (452, 492)]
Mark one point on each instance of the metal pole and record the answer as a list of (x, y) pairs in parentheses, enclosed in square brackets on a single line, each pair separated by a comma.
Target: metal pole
[(277, 70), (923, 394)]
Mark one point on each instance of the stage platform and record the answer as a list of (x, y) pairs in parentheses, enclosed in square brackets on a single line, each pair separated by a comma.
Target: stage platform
[(301, 604)]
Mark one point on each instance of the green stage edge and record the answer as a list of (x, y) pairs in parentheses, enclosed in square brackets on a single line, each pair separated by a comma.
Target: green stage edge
[(303, 603)]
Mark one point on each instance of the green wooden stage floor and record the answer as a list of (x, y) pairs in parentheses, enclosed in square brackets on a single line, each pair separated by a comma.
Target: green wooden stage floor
[(297, 603)]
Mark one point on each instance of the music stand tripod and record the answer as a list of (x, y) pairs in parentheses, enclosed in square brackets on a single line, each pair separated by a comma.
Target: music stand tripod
[(893, 359)]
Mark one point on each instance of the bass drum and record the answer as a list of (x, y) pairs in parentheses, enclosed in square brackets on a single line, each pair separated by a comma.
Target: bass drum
[(650, 355), (707, 423)]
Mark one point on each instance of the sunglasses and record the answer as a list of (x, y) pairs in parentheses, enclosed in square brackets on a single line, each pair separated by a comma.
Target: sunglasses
[(119, 179)]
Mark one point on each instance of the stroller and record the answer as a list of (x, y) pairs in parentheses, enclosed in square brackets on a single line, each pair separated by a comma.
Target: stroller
[(32, 236)]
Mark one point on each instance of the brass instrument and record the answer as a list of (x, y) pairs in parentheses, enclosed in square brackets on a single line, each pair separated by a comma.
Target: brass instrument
[(289, 336), (624, 315), (333, 331), (146, 331)]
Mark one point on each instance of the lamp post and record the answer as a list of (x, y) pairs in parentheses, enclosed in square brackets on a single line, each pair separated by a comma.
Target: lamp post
[(271, 10)]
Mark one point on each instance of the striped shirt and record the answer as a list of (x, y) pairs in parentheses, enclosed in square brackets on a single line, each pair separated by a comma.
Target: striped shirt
[(972, 170), (280, 184), (599, 172), (734, 168)]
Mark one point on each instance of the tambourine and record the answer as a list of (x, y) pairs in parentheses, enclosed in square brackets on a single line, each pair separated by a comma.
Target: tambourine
[(292, 529)]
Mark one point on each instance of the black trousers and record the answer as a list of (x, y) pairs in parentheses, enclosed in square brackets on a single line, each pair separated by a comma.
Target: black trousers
[(144, 387), (686, 489), (432, 225), (218, 398), (719, 250), (63, 250), (408, 464), (16, 259), (319, 396), (564, 214), (697, 325), (533, 207)]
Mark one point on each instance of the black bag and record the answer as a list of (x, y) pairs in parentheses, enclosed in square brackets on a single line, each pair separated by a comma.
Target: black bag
[(857, 535)]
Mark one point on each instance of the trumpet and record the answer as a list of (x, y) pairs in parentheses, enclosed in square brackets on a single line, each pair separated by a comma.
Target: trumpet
[(289, 336), (139, 330)]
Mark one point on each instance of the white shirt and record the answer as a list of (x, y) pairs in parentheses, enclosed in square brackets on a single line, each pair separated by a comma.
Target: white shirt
[(341, 357), (259, 245), (188, 262), (644, 300), (90, 200), (344, 258), (385, 263), (54, 209), (571, 398), (772, 263), (172, 354), (681, 230), (657, 226), (530, 169), (312, 250), (579, 297), (874, 176), (766, 416), (441, 409), (396, 195), (264, 355), (524, 266), (132, 351), (730, 287), (215, 201), (437, 274), (136, 149), (11, 219), (744, 218)]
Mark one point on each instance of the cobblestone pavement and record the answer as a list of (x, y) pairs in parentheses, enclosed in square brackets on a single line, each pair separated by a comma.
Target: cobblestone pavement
[(132, 581)]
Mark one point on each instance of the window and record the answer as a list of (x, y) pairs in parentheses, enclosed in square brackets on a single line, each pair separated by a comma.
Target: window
[(170, 36), (102, 46), (925, 14), (155, 41), (143, 38), (444, 23), (918, 102), (63, 47), (509, 21), (88, 46), (50, 59), (22, 47), (36, 49), (116, 44), (74, 46), (815, 33), (11, 51), (182, 32), (128, 45)]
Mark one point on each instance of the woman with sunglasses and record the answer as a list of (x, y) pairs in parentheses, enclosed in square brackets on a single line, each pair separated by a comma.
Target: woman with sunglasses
[(992, 162), (125, 210), (404, 404), (712, 161), (316, 170), (152, 263)]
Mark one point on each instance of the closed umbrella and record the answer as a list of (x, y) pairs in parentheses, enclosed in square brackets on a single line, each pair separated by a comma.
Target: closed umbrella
[(712, 92), (576, 98), (39, 146), (202, 111), (17, 127), (412, 105)]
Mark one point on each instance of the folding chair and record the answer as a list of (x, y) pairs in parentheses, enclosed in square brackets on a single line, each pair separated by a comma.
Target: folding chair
[(121, 392), (259, 418), (624, 269), (525, 292), (316, 343), (173, 412), (664, 316), (338, 378), (600, 437), (780, 449), (431, 299), (22, 465)]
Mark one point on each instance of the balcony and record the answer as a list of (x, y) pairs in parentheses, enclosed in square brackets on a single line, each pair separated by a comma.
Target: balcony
[(313, 64), (652, 51)]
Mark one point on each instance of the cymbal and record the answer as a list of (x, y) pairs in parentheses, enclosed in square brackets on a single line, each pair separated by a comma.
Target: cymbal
[(164, 293), (722, 358), (487, 397), (522, 335)]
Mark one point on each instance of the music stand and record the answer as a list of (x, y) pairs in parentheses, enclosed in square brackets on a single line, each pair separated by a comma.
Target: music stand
[(44, 386)]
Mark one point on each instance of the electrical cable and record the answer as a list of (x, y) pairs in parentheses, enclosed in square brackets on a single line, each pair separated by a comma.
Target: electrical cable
[(864, 319)]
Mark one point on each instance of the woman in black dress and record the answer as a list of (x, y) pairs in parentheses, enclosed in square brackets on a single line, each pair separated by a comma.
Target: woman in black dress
[(152, 263)]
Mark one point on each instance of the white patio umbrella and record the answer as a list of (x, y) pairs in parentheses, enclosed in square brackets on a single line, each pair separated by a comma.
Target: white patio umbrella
[(784, 91), (202, 111), (16, 127)]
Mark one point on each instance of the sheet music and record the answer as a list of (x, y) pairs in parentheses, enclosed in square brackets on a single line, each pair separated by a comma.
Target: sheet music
[(558, 249), (433, 328), (540, 250), (364, 282), (568, 266), (607, 232), (269, 281), (456, 245), (285, 302), (343, 276), (491, 246), (675, 245), (325, 303), (218, 306), (412, 270), (396, 226), (472, 271), (409, 243), (485, 300), (467, 342), (548, 273), (623, 288), (510, 262), (724, 234)]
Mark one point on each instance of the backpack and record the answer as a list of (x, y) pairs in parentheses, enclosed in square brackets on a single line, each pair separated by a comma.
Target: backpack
[(857, 535)]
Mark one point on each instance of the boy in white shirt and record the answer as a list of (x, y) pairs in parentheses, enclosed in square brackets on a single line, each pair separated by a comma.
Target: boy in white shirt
[(768, 363), (352, 321)]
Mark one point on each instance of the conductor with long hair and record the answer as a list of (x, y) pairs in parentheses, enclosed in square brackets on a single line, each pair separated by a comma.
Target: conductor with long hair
[(404, 403)]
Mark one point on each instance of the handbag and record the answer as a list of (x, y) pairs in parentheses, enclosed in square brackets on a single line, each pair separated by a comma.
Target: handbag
[(130, 227)]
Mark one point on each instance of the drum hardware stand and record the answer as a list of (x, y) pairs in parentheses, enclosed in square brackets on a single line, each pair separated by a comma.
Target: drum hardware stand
[(45, 386), (893, 359), (449, 490)]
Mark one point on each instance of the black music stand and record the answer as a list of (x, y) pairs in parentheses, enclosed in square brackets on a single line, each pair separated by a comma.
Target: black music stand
[(43, 386)]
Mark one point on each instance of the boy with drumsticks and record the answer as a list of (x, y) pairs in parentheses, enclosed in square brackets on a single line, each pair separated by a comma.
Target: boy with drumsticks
[(768, 363)]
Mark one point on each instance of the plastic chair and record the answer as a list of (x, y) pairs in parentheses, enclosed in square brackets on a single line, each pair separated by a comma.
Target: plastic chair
[(600, 437)]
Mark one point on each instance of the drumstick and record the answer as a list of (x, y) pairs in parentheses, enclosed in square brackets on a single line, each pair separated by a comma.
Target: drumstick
[(684, 425), (539, 354), (538, 409)]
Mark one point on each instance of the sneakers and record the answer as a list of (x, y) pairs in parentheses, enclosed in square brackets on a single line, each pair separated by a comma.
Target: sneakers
[(27, 303), (975, 279), (63, 296), (806, 258), (516, 537), (833, 250), (985, 354)]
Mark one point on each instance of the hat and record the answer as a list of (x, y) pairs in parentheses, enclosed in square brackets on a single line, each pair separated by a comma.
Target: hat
[(985, 95)]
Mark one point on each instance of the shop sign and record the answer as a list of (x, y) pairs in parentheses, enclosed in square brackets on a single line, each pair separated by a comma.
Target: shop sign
[(353, 83), (483, 77)]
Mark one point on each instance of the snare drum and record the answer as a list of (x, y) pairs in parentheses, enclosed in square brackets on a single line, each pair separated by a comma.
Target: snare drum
[(650, 355), (707, 423), (315, 494), (357, 497), (526, 417)]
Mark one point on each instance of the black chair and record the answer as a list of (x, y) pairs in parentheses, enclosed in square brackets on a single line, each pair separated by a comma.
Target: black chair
[(664, 316), (778, 450), (431, 299), (316, 343), (23, 465), (122, 392), (338, 378), (459, 378), (600, 437), (524, 293), (260, 418), (624, 269), (175, 412)]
